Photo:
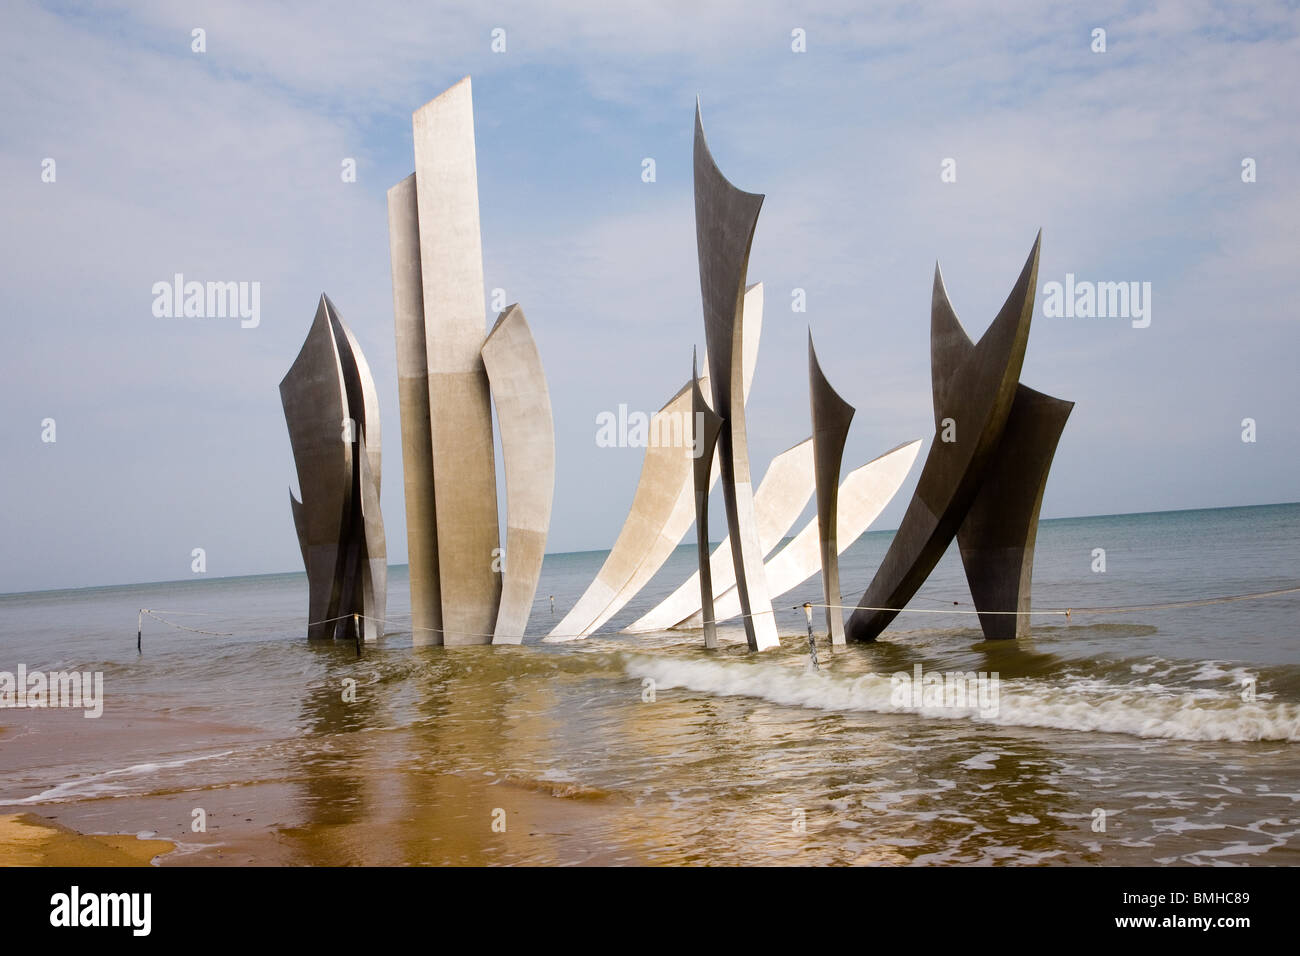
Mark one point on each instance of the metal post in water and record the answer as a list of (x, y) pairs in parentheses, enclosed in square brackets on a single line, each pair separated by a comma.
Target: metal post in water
[(812, 641), (139, 632), (357, 628)]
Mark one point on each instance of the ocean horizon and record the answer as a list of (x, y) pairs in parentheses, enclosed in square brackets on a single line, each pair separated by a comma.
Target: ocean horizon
[(689, 546)]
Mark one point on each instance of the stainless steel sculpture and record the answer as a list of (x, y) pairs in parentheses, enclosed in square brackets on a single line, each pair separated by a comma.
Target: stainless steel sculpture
[(707, 425), (459, 592), (862, 496), (831, 416), (413, 398), (528, 446), (661, 512), (997, 537), (725, 218), (332, 413), (460, 413), (983, 485), (781, 497), (988, 469), (662, 506)]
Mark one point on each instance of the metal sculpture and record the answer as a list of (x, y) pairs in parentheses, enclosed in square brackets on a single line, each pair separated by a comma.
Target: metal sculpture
[(528, 446), (984, 476), (982, 482), (781, 497), (662, 509), (707, 425), (413, 399), (725, 218), (862, 496), (459, 590), (831, 416), (997, 537), (332, 414)]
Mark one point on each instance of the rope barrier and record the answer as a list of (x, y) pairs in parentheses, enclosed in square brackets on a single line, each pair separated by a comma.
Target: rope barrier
[(923, 610), (1176, 604), (1059, 612), (1113, 609), (183, 627)]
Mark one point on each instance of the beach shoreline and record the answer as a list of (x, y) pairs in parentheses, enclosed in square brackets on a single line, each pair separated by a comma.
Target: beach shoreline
[(28, 840)]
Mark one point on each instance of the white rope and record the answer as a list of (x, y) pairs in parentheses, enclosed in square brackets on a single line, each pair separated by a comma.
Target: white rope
[(1116, 609), (1059, 612), (183, 626), (923, 610)]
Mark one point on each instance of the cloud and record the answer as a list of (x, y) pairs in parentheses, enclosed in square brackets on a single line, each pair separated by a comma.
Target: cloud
[(225, 165)]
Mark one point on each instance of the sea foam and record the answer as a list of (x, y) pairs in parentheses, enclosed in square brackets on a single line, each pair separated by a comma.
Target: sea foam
[(1140, 710)]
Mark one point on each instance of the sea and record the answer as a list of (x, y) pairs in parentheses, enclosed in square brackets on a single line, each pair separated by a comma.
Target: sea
[(1126, 732)]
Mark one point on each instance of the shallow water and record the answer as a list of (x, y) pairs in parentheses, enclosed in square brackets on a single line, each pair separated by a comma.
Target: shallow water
[(648, 748)]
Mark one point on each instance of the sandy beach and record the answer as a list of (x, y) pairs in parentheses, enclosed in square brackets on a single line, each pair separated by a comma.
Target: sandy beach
[(28, 840)]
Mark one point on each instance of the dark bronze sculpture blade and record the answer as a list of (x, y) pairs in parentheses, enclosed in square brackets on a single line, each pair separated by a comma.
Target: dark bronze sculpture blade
[(976, 391), (831, 416), (705, 426), (725, 218)]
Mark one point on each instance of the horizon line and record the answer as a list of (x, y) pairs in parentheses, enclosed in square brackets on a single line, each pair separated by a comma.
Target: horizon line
[(548, 554)]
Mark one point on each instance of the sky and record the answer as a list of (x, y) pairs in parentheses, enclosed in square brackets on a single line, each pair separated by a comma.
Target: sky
[(226, 165)]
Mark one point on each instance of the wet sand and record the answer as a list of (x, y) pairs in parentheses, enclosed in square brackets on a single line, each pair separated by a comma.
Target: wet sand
[(383, 816), (496, 822), (367, 813), (28, 840)]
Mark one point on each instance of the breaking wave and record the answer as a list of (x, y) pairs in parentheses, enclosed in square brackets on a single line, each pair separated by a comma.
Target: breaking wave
[(1068, 703)]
